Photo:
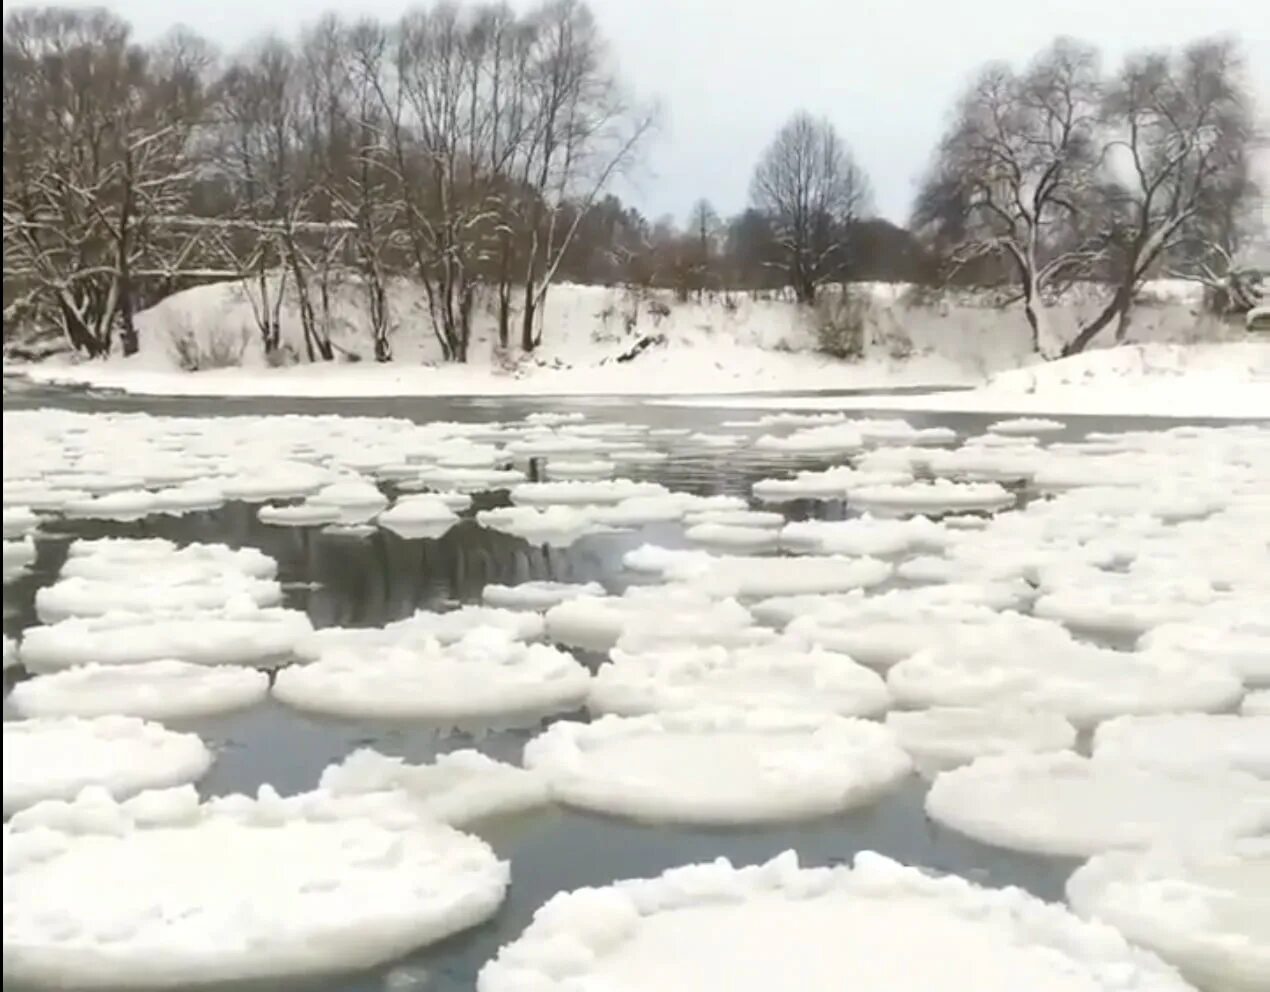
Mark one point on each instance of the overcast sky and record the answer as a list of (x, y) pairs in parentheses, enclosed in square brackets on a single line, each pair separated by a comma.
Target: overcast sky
[(885, 72)]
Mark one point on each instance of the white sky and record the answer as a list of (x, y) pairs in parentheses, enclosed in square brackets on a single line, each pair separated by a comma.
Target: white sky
[(727, 74)]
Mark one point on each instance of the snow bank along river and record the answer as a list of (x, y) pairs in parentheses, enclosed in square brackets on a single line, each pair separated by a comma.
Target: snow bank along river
[(478, 694)]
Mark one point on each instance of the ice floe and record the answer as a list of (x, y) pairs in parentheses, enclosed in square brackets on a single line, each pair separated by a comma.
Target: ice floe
[(56, 757), (718, 765), (1202, 911), (945, 737), (422, 628), (1188, 740), (749, 576), (777, 675), (779, 926), (1064, 804), (153, 690), (299, 887), (236, 635), (537, 595), (643, 617), (484, 674)]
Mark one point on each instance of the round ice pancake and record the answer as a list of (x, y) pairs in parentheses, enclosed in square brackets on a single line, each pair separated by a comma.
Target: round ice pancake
[(947, 736), (537, 595), (153, 690), (56, 757), (1065, 804), (1039, 666), (238, 635), (234, 889), (718, 765), (1188, 740), (1205, 912), (778, 926), (485, 674), (780, 675)]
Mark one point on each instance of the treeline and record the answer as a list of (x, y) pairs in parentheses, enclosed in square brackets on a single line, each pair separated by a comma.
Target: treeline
[(472, 150)]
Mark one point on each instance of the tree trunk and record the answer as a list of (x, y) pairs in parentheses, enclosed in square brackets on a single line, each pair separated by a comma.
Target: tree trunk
[(527, 319), (1090, 331)]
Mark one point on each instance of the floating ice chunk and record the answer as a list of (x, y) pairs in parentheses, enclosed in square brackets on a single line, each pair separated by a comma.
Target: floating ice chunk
[(1026, 425), (864, 535), (418, 516), (19, 556), (1241, 642), (986, 464), (77, 597), (637, 456), (456, 788), (237, 635), (718, 765), (1188, 740), (640, 510), (645, 617), (299, 887), (299, 515), (280, 480), (125, 504), (777, 675), (833, 483), (1063, 804), (1021, 661), (190, 563), (732, 536), (56, 757), (556, 444), (939, 495), (421, 628), (560, 525), (549, 418), (594, 469), (584, 493), (947, 736), (753, 576), (19, 521), (831, 439), (716, 442), (880, 631), (537, 595), (1203, 912), (736, 518), (484, 674), (352, 496), (153, 690), (894, 431), (1119, 604), (1256, 703), (777, 925), (188, 498)]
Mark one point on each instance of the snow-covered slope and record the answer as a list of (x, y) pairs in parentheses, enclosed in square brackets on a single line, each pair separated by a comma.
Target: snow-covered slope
[(722, 344)]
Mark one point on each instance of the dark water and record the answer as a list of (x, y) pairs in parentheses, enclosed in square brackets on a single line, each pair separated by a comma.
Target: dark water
[(370, 580)]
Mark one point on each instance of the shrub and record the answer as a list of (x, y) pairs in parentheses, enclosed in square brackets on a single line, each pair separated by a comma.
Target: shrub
[(223, 348), (840, 320)]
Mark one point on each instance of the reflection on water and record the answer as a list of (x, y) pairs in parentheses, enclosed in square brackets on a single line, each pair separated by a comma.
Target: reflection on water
[(370, 580)]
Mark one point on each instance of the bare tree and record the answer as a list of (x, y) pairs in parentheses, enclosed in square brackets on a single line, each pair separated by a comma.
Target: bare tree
[(811, 187), (1014, 175), (703, 227), (1179, 132)]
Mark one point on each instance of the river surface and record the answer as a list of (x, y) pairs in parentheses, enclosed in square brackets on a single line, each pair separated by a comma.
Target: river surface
[(371, 580)]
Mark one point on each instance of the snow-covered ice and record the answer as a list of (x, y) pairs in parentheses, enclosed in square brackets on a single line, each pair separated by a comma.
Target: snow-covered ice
[(153, 690), (937, 496), (716, 535), (832, 483), (947, 736), (558, 525), (456, 788), (298, 515), (718, 765), (233, 889), (1061, 803), (1188, 740), (778, 675), (753, 576), (654, 615), (422, 628), (1026, 425), (1028, 662), (236, 635), (1202, 911), (778, 926), (864, 535), (56, 757), (537, 595), (418, 516), (485, 674), (19, 521), (584, 493)]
